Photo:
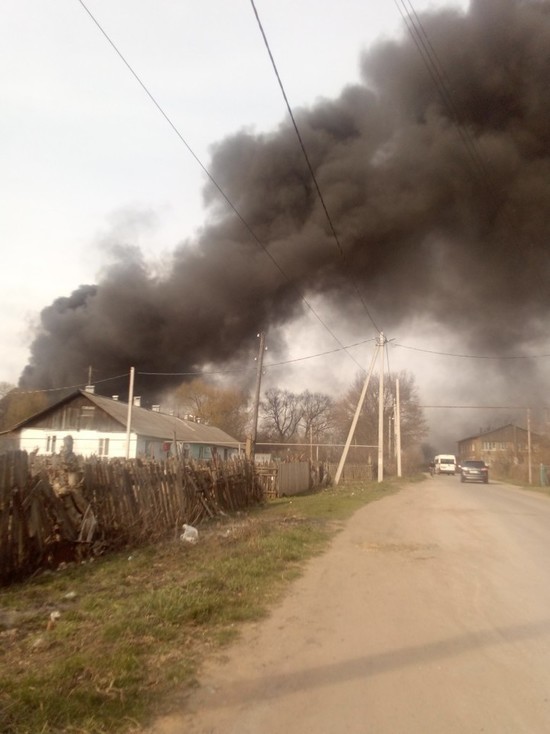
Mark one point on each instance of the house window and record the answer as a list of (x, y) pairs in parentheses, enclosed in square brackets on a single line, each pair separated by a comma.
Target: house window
[(103, 447), (50, 444), (87, 415), (489, 445)]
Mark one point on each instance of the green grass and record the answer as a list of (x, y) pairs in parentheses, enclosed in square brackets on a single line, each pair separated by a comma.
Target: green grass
[(134, 627)]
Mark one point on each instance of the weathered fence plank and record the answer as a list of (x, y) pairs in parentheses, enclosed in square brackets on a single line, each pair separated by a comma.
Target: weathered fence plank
[(113, 504)]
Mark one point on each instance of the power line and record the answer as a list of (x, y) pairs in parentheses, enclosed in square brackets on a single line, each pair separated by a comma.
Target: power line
[(309, 165), (196, 373), (295, 360), (211, 178), (320, 354), (479, 407), (247, 369), (437, 72), (474, 356), (80, 386), (441, 82)]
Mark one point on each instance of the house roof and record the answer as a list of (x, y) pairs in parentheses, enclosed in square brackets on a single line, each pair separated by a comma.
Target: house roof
[(148, 423), (493, 430)]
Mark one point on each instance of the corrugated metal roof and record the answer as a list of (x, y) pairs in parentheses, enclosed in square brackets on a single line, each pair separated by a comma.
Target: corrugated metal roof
[(160, 425), (147, 423)]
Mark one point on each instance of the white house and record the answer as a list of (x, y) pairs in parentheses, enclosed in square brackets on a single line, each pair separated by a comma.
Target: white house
[(97, 425)]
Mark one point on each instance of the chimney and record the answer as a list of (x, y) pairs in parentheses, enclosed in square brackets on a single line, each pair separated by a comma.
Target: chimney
[(137, 401), (90, 389)]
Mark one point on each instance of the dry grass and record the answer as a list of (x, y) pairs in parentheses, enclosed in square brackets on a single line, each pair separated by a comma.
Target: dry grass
[(102, 647)]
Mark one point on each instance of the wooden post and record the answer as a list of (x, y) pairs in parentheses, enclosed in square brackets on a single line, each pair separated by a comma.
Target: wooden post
[(129, 416)]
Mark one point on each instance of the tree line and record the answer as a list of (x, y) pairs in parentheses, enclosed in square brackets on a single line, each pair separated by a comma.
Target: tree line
[(311, 418)]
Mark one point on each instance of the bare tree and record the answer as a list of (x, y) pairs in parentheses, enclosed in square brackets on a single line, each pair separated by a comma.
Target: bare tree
[(281, 414), (224, 408), (317, 414), (17, 405)]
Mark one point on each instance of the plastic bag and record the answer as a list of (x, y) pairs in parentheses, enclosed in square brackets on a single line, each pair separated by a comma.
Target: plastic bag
[(190, 534)]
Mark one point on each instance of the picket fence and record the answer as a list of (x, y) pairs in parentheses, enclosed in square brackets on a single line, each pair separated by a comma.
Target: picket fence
[(53, 512)]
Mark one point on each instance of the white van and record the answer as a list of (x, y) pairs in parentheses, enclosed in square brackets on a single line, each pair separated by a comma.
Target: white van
[(445, 464)]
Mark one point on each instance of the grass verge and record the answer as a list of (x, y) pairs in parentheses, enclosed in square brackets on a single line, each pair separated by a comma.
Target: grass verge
[(104, 647)]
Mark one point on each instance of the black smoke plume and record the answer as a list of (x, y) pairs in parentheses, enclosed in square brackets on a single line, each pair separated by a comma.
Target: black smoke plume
[(440, 198)]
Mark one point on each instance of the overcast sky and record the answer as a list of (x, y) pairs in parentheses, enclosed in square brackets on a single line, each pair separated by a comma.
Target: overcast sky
[(85, 153)]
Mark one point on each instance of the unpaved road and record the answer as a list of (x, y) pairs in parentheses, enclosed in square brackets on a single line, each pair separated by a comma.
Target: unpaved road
[(429, 614)]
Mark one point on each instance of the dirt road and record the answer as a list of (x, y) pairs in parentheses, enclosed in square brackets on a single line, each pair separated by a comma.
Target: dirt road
[(430, 613)]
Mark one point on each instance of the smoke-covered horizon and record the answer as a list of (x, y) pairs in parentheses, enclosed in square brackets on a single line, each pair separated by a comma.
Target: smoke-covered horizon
[(438, 221)]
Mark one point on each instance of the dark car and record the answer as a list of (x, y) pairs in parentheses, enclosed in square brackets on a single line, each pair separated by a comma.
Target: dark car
[(473, 470)]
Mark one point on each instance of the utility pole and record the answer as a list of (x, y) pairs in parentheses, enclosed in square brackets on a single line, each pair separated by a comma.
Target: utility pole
[(398, 427), (129, 417), (251, 443), (391, 433), (381, 344), (529, 445), (354, 421)]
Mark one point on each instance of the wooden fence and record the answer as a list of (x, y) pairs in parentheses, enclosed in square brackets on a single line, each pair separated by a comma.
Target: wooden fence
[(353, 472), (286, 478), (53, 512)]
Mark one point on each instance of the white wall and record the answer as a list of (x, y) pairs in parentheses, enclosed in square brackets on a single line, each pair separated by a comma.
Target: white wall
[(85, 443)]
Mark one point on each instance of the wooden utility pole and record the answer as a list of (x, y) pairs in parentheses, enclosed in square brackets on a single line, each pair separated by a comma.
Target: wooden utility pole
[(529, 445), (381, 344), (251, 443), (398, 427), (129, 416), (354, 421)]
